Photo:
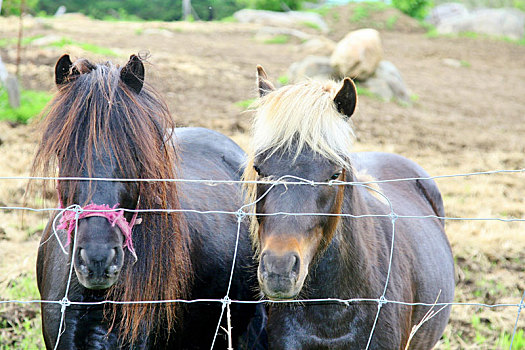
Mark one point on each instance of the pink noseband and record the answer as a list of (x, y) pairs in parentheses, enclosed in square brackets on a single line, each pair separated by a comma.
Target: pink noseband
[(115, 218)]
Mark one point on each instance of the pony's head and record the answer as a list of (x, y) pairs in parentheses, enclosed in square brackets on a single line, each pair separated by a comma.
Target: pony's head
[(105, 123), (300, 130)]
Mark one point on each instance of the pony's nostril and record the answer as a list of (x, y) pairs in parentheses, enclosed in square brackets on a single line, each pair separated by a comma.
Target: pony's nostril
[(112, 270), (83, 256), (112, 254), (296, 264)]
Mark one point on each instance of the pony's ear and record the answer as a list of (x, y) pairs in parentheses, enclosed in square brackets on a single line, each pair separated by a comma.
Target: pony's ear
[(63, 69), (133, 74), (346, 98), (263, 83)]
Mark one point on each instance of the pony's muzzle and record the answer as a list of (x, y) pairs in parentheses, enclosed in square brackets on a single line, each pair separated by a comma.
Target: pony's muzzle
[(279, 274), (98, 266)]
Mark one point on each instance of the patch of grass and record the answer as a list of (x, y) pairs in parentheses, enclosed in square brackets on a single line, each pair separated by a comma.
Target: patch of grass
[(465, 63), (311, 25), (31, 103), (361, 91), (283, 80), (391, 22), (365, 9), (84, 46), (278, 39), (360, 13), (323, 10), (34, 230), (504, 340), (229, 19), (25, 41), (139, 31), (245, 104), (21, 320)]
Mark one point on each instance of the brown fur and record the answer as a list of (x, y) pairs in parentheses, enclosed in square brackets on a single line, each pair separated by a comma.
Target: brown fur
[(95, 112)]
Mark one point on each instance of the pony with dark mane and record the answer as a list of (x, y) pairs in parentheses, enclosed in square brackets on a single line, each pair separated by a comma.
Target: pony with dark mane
[(302, 131), (105, 123)]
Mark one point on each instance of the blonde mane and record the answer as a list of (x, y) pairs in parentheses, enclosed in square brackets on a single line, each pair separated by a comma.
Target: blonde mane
[(295, 116)]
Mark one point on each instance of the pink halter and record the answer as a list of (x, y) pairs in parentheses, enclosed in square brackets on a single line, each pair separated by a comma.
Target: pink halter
[(67, 221)]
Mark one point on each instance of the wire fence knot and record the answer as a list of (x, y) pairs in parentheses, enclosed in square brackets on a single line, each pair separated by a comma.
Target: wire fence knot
[(240, 214), (381, 301), (393, 216), (226, 301), (65, 303)]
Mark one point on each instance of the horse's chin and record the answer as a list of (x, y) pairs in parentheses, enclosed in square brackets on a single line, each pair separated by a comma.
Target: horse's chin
[(280, 294), (96, 284)]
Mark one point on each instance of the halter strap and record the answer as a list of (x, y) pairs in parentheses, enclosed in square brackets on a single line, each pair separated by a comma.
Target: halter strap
[(115, 218)]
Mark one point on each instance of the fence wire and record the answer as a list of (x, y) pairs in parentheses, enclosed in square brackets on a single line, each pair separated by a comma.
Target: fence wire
[(241, 214)]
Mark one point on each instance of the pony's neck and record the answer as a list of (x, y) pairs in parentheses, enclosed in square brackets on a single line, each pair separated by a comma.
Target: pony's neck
[(347, 269)]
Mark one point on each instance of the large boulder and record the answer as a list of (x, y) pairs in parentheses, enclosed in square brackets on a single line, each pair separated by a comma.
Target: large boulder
[(502, 22), (312, 67), (281, 19), (446, 12), (358, 54), (387, 83)]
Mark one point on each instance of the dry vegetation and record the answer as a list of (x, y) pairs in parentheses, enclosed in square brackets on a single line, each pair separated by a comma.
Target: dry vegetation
[(465, 119)]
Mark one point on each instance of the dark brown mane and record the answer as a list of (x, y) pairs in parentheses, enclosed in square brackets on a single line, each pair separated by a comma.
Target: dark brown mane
[(93, 113)]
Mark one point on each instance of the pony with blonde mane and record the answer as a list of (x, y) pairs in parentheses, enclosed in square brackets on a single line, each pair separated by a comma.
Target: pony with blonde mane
[(323, 241)]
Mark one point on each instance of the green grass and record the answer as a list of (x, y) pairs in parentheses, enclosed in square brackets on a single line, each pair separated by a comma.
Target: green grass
[(433, 33), (278, 39), (391, 22), (31, 103), (283, 80), (229, 19), (365, 9), (12, 41), (25, 329), (505, 339), (245, 104), (84, 46), (311, 25)]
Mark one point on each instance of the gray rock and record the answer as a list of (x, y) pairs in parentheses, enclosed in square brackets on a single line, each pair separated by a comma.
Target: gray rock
[(387, 83), (281, 19), (446, 12), (313, 67), (496, 22), (60, 11)]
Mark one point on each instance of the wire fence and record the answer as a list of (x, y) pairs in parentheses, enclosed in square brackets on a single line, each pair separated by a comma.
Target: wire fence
[(241, 214)]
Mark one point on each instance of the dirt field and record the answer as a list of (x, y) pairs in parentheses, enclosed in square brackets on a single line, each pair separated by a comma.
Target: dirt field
[(464, 119)]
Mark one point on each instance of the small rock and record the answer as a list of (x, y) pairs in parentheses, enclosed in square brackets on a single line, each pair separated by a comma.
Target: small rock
[(451, 62), (358, 54), (313, 67)]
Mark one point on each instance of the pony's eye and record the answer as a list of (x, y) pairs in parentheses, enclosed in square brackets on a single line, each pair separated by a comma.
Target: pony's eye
[(257, 170), (335, 176)]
